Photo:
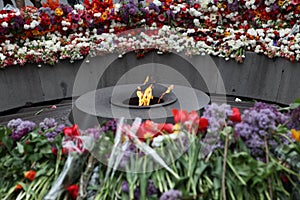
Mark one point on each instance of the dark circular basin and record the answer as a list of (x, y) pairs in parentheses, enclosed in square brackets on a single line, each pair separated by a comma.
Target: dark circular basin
[(91, 108), (125, 100)]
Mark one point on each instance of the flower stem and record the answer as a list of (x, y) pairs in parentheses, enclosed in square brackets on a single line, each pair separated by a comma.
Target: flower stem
[(224, 167), (267, 161)]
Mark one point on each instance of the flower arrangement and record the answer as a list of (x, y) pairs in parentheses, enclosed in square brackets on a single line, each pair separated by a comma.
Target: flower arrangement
[(221, 154), (57, 31)]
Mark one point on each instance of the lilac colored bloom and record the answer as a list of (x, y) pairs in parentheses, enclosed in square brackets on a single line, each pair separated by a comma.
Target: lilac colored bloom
[(153, 6), (14, 123), (132, 11), (151, 189), (216, 116), (52, 134), (20, 128), (171, 195), (95, 132), (125, 187), (259, 125), (294, 118), (47, 123)]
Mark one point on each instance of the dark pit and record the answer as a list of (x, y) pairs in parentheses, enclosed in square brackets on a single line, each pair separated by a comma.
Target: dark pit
[(135, 101)]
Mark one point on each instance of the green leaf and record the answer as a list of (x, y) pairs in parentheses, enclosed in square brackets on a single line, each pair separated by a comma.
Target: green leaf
[(20, 148)]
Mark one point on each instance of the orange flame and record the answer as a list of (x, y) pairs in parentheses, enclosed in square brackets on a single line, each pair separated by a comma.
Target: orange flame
[(146, 96)]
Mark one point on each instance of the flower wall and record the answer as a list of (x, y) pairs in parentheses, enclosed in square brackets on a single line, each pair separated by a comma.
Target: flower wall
[(221, 28)]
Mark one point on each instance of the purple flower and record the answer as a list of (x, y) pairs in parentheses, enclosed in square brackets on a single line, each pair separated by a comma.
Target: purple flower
[(151, 189), (47, 123), (20, 128), (153, 6), (52, 134), (137, 193), (171, 195), (95, 132), (294, 118), (259, 125), (14, 123), (125, 187), (75, 17)]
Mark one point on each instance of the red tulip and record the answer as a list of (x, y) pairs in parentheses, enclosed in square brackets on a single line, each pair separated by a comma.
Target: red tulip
[(180, 116), (73, 191), (166, 128), (72, 131), (30, 175), (236, 115)]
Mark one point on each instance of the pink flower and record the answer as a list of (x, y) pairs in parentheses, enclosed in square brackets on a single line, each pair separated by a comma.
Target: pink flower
[(161, 17)]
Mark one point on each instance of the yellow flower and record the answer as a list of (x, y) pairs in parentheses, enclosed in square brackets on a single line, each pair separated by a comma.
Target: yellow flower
[(59, 12), (104, 16), (280, 3), (35, 32), (296, 135), (176, 128), (226, 33)]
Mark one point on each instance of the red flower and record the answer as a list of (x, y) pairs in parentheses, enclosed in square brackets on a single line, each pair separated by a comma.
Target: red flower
[(54, 150), (166, 127), (236, 115), (147, 130), (18, 187), (72, 131), (203, 123), (30, 175), (73, 191), (161, 17), (180, 116)]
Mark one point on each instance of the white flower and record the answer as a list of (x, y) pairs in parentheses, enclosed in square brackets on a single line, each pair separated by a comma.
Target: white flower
[(2, 57), (157, 2), (97, 14), (4, 24), (117, 7), (79, 7)]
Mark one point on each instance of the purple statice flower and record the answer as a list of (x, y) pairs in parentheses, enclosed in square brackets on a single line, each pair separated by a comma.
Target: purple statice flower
[(171, 195), (216, 116), (153, 6), (20, 128), (47, 124), (293, 121), (151, 189), (259, 124), (125, 187), (14, 123), (53, 133), (66, 8)]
